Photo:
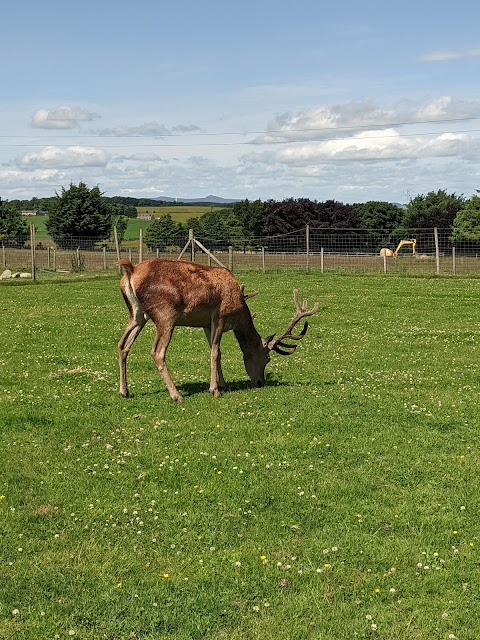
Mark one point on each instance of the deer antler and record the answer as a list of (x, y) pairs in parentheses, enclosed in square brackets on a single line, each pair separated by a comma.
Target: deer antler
[(277, 341), (247, 296)]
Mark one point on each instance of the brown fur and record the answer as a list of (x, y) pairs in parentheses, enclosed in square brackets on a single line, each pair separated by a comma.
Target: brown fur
[(177, 293)]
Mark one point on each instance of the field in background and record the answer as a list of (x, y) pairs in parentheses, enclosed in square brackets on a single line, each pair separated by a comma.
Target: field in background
[(179, 214), (338, 502)]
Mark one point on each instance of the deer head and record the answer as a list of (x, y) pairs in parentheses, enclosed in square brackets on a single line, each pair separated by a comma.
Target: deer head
[(257, 358)]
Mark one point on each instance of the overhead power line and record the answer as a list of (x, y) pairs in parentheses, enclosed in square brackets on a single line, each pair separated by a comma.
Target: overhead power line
[(171, 134), (280, 132), (248, 143)]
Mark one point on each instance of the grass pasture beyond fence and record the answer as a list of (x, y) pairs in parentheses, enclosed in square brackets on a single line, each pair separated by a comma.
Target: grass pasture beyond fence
[(338, 502)]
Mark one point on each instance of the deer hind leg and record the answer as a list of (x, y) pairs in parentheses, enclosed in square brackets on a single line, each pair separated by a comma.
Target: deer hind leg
[(135, 325), (220, 379), (162, 340)]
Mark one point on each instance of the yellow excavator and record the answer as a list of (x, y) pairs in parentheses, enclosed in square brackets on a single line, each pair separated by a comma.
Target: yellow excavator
[(393, 254), (404, 242)]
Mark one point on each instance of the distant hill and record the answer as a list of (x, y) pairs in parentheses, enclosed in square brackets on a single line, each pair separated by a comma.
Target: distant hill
[(208, 200)]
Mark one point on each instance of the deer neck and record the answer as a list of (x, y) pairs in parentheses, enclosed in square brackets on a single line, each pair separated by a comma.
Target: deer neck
[(247, 336)]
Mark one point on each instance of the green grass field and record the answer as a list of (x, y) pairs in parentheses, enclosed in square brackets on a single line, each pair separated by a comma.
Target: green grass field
[(178, 213), (338, 502)]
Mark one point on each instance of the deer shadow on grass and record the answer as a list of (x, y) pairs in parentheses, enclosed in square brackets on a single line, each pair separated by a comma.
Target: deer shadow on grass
[(193, 388), (188, 389)]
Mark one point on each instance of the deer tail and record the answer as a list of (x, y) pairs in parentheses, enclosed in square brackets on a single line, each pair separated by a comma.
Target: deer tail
[(127, 265)]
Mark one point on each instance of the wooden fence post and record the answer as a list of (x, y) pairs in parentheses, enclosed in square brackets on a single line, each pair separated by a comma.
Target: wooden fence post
[(4, 255), (192, 243), (230, 258), (454, 261), (384, 263), (140, 252), (117, 246), (321, 260), (104, 250), (263, 259)]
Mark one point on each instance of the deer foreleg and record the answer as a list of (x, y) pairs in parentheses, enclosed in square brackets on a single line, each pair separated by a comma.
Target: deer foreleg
[(134, 327), (220, 379), (215, 357)]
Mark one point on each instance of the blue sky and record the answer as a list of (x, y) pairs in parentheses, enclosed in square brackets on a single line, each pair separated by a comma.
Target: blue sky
[(351, 101)]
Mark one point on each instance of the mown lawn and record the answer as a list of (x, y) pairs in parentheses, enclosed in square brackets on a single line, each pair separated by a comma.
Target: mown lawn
[(340, 501)]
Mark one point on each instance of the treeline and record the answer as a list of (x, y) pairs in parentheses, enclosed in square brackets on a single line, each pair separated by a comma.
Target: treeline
[(246, 220), (82, 212)]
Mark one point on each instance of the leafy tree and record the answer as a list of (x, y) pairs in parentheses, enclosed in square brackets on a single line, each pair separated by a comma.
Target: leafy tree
[(436, 209), (466, 225), (163, 231), (213, 225), (379, 215), (251, 217), (235, 233), (79, 212), (195, 224), (336, 215), (121, 224), (288, 215), (293, 215), (12, 225)]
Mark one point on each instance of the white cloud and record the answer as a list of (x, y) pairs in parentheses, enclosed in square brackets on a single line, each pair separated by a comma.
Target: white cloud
[(63, 158), (441, 56), (140, 157), (153, 129), (370, 146), (21, 182), (62, 117), (344, 120)]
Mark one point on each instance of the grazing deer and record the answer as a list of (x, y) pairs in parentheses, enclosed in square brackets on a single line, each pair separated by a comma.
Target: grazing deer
[(176, 293)]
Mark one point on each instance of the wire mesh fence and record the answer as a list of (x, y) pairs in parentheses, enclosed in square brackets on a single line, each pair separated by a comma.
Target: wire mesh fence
[(411, 251)]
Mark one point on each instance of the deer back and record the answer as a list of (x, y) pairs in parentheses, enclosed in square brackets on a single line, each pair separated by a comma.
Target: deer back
[(187, 292)]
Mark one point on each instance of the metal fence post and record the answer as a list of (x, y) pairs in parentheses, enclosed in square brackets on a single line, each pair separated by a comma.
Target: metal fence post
[(32, 243), (321, 260), (307, 243), (437, 250)]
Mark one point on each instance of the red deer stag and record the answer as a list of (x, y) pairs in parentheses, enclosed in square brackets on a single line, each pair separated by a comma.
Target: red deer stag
[(176, 293)]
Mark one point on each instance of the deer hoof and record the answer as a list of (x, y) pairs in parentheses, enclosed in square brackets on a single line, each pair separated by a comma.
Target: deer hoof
[(214, 392), (177, 398), (125, 394)]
